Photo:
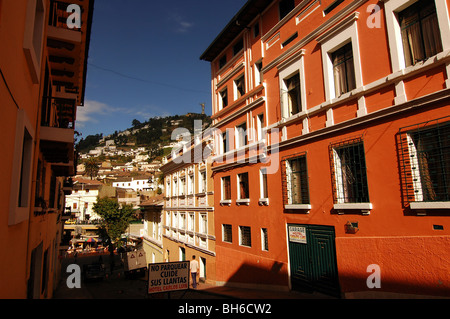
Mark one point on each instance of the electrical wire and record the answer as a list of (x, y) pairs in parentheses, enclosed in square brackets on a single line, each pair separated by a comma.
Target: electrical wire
[(146, 81)]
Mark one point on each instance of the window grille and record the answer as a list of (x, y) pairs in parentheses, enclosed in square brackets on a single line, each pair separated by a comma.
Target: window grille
[(245, 236), (348, 172), (294, 172), (424, 156), (227, 233)]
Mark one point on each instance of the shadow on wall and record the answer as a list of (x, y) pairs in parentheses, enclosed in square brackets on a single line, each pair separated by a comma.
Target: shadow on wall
[(255, 274)]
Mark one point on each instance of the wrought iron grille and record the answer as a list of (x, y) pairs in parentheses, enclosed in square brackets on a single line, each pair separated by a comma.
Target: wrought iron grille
[(294, 172), (348, 171), (424, 156)]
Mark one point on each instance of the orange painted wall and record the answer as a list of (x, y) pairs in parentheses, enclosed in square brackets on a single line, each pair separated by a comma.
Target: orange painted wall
[(407, 248)]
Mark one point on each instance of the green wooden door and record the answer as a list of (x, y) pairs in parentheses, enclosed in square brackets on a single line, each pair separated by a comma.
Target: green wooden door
[(312, 255)]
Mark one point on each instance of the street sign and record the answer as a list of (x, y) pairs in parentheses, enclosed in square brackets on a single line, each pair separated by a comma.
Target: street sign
[(166, 277)]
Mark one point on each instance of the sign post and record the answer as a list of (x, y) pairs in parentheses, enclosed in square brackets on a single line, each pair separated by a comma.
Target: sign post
[(167, 277)]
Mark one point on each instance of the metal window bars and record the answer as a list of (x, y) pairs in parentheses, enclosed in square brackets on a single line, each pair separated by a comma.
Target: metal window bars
[(348, 171), (295, 185), (424, 158)]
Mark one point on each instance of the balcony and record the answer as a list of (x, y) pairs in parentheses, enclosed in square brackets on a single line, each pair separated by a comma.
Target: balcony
[(68, 46)]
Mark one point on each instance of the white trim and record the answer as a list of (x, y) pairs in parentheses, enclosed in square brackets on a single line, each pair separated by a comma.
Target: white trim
[(333, 40), (19, 213), (391, 8), (298, 206), (429, 205), (286, 70), (364, 207)]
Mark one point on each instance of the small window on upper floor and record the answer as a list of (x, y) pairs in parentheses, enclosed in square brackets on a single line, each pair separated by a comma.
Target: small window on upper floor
[(238, 46), (222, 61), (332, 6), (285, 6), (223, 100), (239, 87), (256, 30)]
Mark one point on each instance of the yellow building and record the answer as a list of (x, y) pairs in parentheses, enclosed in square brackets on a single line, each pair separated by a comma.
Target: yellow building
[(43, 61), (188, 213)]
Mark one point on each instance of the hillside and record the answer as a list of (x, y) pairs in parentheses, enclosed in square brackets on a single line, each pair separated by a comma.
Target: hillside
[(152, 134)]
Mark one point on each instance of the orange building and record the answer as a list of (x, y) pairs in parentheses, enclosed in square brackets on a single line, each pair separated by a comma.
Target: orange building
[(332, 165), (43, 74)]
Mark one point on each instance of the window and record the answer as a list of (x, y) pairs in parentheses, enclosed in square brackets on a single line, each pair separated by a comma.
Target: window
[(225, 142), (263, 183), (239, 87), (202, 188), (33, 38), (420, 32), (290, 39), (27, 146), (203, 224), (350, 178), (241, 135), (292, 94), (223, 101), (260, 126), (191, 184), (258, 73), (238, 46), (429, 152), (227, 234), (182, 185), (343, 70), (341, 58), (332, 6), (285, 6), (264, 239), (21, 177), (297, 181), (191, 222), (182, 221), (226, 188), (243, 186), (256, 30), (222, 61), (245, 236)]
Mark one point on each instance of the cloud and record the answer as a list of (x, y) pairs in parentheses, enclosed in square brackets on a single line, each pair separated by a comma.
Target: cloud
[(181, 25), (91, 112), (95, 111)]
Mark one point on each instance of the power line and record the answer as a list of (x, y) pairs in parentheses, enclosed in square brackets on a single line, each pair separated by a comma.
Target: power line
[(147, 81)]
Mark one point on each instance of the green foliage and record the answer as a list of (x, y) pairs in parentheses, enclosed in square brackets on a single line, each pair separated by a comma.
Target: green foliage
[(88, 143), (115, 220)]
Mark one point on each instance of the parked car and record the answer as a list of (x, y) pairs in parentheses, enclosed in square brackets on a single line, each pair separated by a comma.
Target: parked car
[(94, 271)]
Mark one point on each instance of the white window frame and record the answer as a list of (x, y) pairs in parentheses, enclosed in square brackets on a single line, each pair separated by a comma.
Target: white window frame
[(223, 233), (203, 223), (391, 8), (334, 39), (258, 73), (260, 126), (286, 71), (221, 106), (264, 237), (241, 235), (22, 164), (235, 90), (203, 183), (34, 34), (263, 199), (190, 185)]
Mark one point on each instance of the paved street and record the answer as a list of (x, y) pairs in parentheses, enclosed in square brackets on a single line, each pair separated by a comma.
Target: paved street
[(116, 286)]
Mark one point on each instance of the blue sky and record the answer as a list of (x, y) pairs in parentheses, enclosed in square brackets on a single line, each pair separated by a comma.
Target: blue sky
[(144, 60)]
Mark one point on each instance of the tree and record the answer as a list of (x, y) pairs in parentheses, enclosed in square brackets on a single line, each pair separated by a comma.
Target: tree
[(115, 219), (136, 123), (91, 167)]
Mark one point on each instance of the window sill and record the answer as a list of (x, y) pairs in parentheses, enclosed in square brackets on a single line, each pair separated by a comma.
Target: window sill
[(363, 207), (263, 201), (225, 202), (304, 207), (244, 201), (429, 205)]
